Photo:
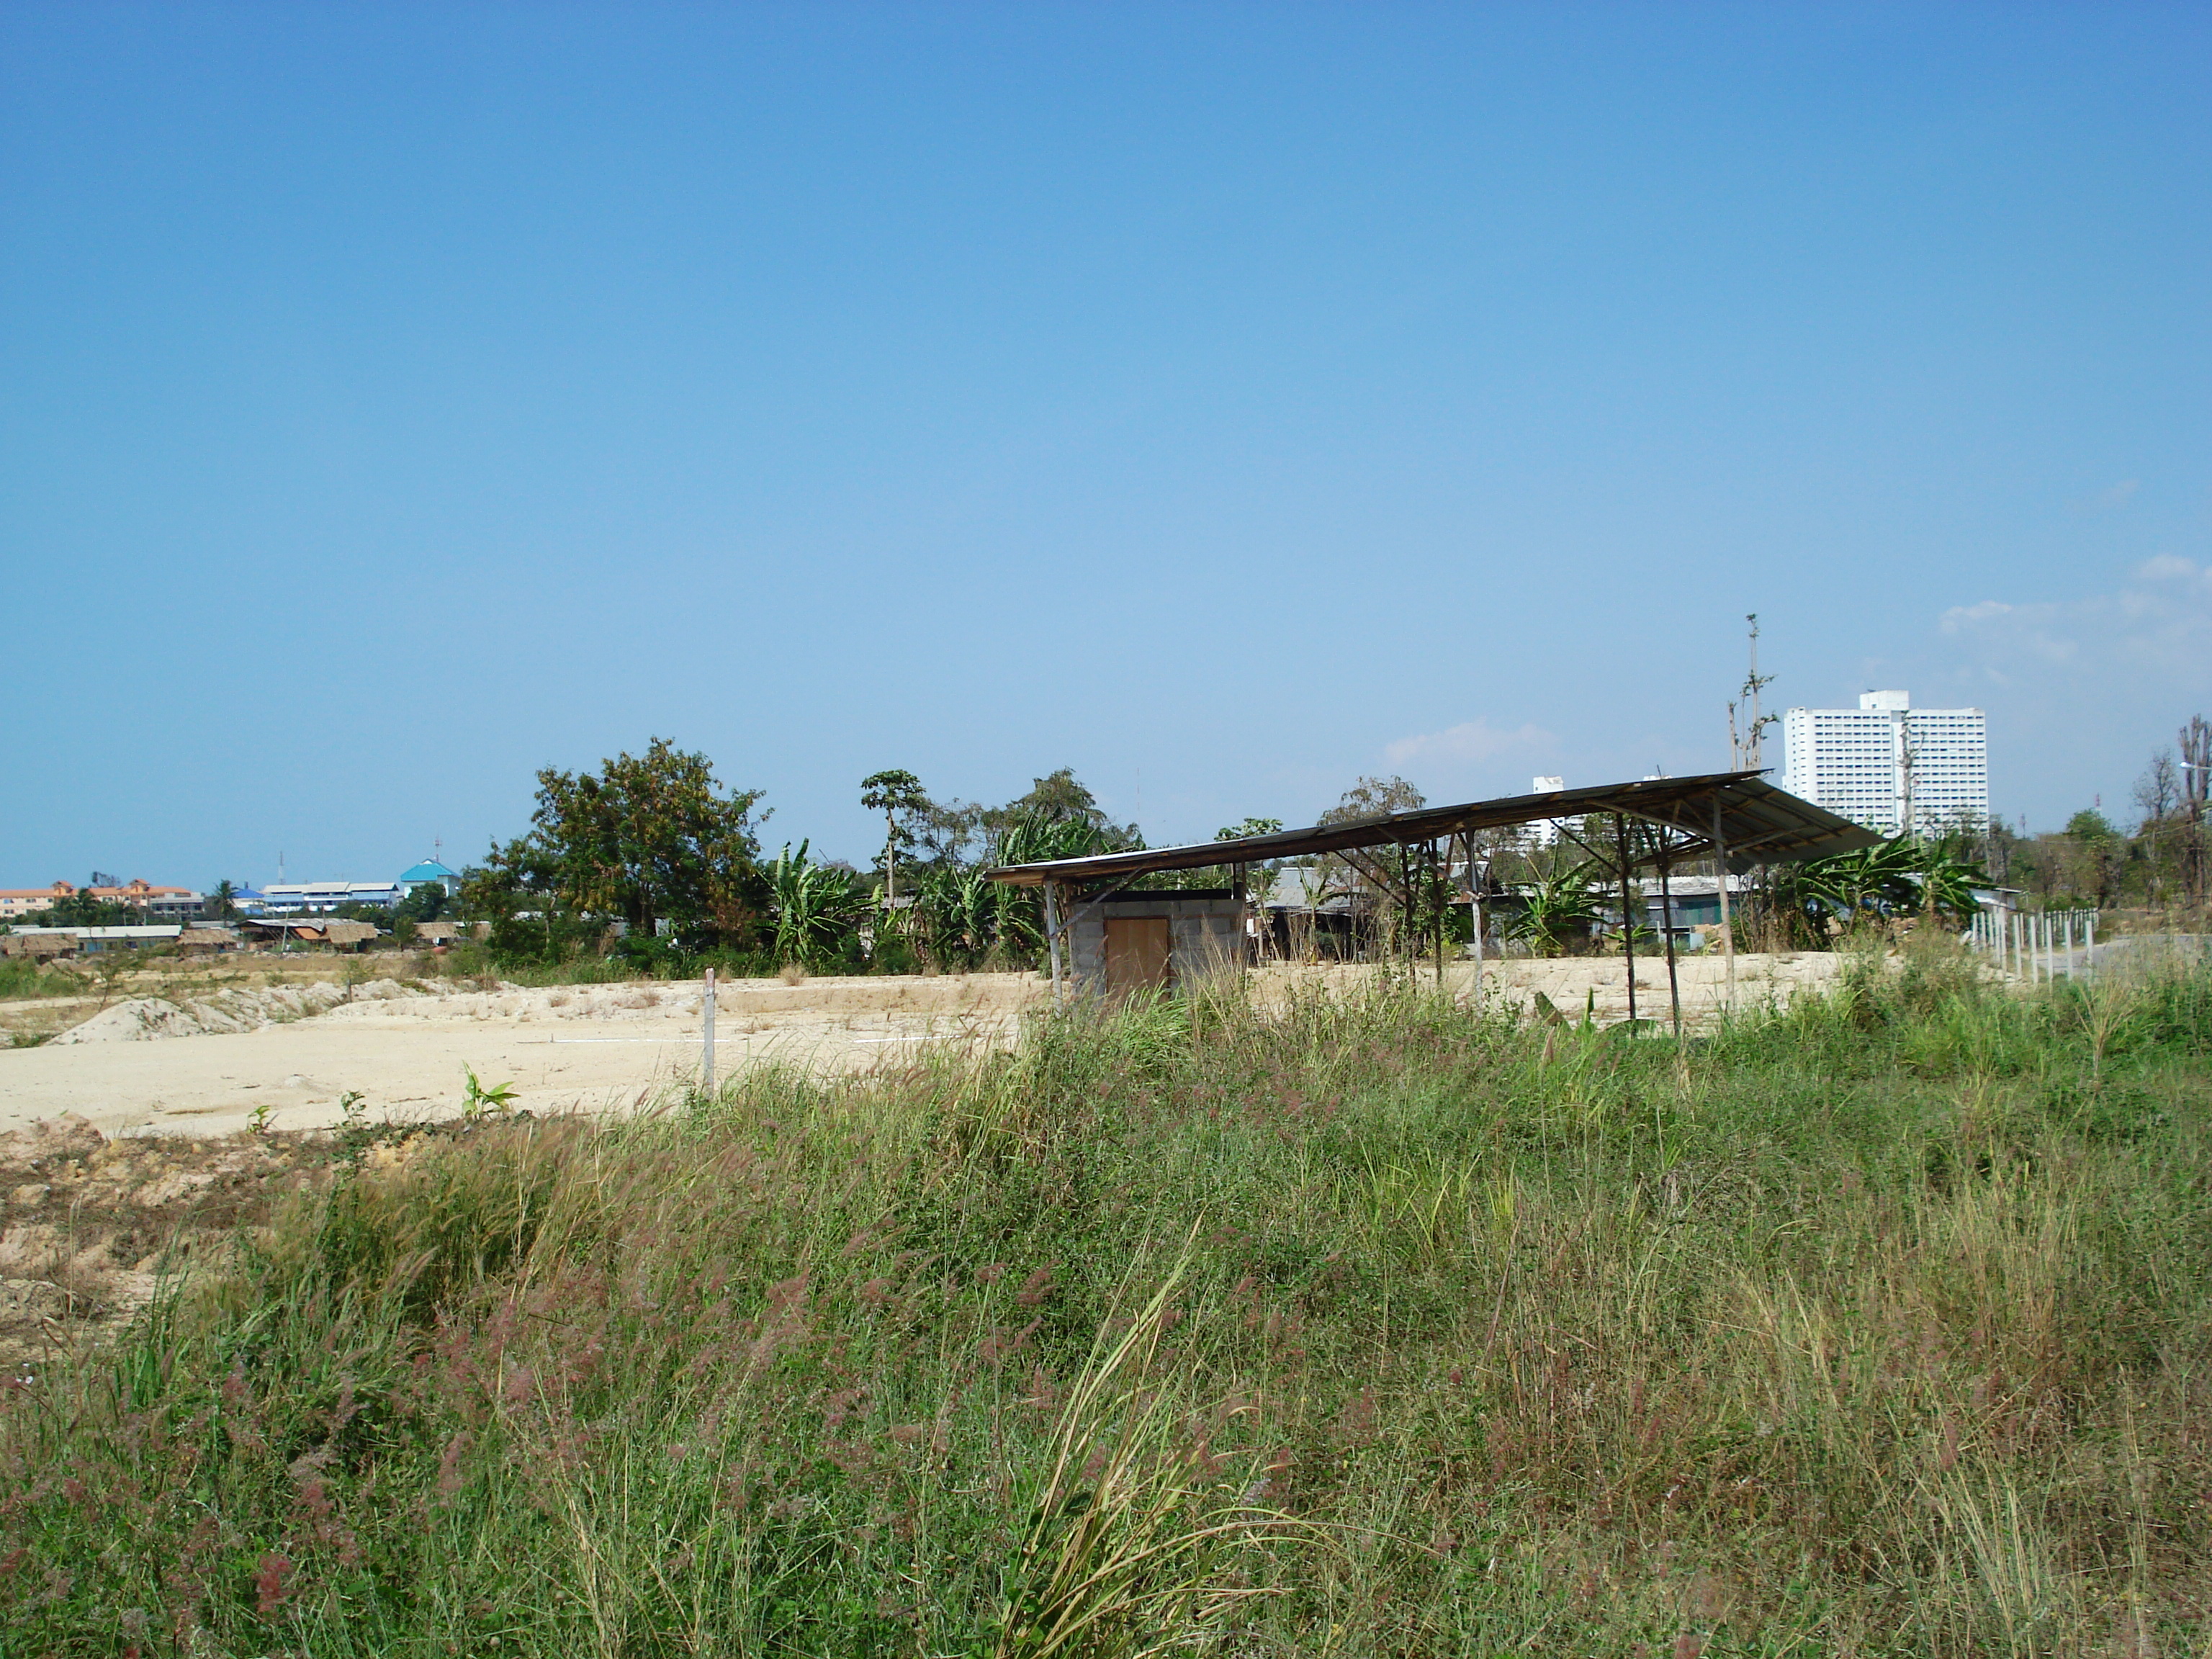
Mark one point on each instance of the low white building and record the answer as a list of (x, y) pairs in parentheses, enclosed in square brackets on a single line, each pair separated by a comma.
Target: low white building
[(293, 898)]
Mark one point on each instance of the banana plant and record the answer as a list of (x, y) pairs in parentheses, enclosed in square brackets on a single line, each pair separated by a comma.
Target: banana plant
[(816, 908), (1562, 906), (1896, 877)]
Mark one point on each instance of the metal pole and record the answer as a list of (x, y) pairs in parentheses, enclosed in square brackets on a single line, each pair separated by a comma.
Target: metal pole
[(1052, 935), (1474, 914), (1667, 927), (707, 1035), (1728, 926), (1628, 917)]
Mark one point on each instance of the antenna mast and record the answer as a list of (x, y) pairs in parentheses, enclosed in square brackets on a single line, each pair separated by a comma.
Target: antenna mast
[(1747, 751)]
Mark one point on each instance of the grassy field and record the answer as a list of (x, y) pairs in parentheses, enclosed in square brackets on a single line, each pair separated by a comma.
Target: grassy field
[(1875, 1326)]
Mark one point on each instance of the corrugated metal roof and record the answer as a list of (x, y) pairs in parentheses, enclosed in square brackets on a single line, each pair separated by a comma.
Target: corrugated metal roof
[(1760, 825)]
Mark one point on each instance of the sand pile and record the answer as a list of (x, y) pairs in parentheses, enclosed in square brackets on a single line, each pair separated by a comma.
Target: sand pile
[(145, 1019)]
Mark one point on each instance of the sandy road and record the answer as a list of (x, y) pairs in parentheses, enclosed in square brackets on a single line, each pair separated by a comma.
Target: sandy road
[(611, 1047)]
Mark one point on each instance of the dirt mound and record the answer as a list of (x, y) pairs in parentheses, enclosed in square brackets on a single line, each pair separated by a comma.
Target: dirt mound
[(145, 1019)]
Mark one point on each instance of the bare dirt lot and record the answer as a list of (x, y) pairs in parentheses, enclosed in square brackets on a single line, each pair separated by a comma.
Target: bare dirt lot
[(204, 1058)]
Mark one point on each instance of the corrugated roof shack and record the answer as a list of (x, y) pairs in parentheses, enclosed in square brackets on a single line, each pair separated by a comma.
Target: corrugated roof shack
[(1734, 819), (1143, 940)]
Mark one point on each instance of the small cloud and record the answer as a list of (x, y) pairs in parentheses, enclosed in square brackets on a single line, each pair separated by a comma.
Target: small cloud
[(2120, 493), (2158, 624), (1471, 740), (1962, 617)]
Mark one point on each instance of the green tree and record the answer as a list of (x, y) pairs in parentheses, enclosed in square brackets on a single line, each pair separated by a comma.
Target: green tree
[(222, 901), (82, 909), (426, 903), (2100, 858), (647, 838), (1058, 798), (900, 798)]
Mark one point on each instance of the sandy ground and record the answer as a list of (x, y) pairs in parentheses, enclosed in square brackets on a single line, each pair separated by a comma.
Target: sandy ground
[(614, 1047), (594, 1047)]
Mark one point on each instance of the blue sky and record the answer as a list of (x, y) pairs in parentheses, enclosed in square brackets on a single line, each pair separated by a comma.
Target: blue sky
[(1223, 401)]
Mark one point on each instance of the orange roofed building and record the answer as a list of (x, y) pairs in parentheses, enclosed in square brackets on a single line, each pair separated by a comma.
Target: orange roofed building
[(137, 893)]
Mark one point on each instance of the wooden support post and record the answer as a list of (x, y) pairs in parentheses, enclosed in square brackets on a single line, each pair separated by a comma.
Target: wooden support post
[(1411, 939), (1728, 924), (1052, 935), (707, 1037), (1627, 915), (1667, 927), (1437, 876)]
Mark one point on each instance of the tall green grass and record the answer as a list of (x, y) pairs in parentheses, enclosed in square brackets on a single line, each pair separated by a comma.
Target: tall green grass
[(1876, 1325)]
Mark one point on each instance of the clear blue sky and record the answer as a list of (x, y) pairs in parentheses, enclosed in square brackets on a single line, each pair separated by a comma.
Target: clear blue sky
[(1223, 401)]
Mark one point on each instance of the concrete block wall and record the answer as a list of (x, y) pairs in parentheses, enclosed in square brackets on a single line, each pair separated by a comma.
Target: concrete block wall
[(1202, 934)]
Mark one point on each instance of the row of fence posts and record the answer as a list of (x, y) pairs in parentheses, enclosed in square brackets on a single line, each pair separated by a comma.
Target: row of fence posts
[(2034, 946)]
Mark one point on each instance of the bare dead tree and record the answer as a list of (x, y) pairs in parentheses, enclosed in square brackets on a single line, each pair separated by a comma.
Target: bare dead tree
[(2157, 793), (2196, 745)]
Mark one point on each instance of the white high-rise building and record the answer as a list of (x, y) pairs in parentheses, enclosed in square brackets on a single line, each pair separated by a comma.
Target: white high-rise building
[(1888, 765)]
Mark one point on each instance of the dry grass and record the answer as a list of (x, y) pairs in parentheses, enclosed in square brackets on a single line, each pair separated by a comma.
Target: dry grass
[(1876, 1326)]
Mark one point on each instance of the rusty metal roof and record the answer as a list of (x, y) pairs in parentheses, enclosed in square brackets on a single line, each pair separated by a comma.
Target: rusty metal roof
[(1759, 823)]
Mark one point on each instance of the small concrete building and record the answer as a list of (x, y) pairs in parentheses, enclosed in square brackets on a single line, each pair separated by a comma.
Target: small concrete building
[(1135, 941)]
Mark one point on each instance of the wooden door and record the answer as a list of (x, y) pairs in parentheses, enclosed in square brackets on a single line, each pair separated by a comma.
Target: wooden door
[(1136, 954)]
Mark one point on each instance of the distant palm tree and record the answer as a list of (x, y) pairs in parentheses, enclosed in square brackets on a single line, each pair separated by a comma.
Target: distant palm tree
[(222, 903)]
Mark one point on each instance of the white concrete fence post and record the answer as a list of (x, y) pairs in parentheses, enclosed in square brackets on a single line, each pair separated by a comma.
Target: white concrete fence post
[(706, 1035)]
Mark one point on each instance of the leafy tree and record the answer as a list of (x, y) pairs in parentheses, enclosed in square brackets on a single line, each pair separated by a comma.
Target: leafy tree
[(649, 838), (2100, 855), (900, 798), (1058, 798), (82, 909), (1372, 798), (1260, 878), (1368, 799), (222, 901), (426, 903)]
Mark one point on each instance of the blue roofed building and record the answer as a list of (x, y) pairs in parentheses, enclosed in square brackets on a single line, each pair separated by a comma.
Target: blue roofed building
[(424, 873)]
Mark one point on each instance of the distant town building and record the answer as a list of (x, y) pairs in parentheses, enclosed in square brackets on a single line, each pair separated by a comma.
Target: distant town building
[(293, 898), (171, 904), (427, 871), (1890, 766), (30, 900), (90, 941), (1545, 832)]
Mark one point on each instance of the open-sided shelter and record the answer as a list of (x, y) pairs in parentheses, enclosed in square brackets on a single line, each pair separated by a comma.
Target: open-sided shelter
[(1103, 936)]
